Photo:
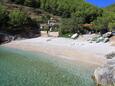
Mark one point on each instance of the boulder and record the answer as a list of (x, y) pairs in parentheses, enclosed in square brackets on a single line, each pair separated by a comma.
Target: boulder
[(110, 55), (107, 35), (4, 38), (105, 75), (106, 40), (100, 39), (74, 36), (95, 38)]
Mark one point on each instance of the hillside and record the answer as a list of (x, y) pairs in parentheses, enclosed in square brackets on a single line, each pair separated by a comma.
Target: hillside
[(73, 15), (111, 8)]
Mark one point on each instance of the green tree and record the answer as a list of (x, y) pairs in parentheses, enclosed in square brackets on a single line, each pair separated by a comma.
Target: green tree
[(71, 25), (106, 21), (111, 26)]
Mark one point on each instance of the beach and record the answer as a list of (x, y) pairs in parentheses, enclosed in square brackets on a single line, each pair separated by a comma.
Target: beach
[(74, 50), (51, 61)]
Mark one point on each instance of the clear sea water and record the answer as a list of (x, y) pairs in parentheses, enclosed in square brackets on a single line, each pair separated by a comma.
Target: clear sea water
[(21, 68)]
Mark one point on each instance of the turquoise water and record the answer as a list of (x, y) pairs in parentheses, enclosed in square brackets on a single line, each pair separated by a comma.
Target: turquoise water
[(21, 68)]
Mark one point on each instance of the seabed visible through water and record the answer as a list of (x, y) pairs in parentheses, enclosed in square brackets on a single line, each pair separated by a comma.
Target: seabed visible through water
[(21, 68)]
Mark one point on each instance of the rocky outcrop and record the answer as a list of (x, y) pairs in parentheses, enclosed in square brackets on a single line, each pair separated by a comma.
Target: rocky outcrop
[(105, 75), (102, 38), (4, 38)]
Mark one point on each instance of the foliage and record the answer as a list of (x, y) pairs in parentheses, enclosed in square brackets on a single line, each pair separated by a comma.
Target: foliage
[(45, 18), (106, 21), (110, 8), (111, 26), (65, 26), (73, 24), (63, 8), (74, 14), (17, 22), (77, 12), (17, 18), (29, 3), (3, 15)]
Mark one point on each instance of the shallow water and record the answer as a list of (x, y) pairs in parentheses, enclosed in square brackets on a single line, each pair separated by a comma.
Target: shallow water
[(21, 68)]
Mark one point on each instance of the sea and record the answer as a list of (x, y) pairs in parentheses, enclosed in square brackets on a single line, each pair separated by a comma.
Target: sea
[(25, 68)]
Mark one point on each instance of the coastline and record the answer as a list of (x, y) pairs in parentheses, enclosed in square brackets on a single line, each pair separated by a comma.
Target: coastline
[(74, 50)]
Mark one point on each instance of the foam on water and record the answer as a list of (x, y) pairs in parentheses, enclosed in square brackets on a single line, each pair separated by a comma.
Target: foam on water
[(21, 68)]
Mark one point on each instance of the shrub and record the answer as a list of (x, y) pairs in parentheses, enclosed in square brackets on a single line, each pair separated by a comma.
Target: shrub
[(65, 27), (45, 18), (17, 18), (3, 15), (71, 25), (29, 3)]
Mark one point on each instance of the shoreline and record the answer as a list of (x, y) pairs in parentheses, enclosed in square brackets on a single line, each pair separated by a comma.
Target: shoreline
[(74, 50)]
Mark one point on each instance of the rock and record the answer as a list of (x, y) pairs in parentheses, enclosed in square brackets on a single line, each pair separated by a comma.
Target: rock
[(106, 40), (4, 38), (90, 42), (107, 35), (105, 75), (100, 39), (110, 55), (69, 35), (74, 36), (95, 38)]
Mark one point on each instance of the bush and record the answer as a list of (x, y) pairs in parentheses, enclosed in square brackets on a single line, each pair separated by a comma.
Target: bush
[(29, 3), (17, 18), (3, 15), (45, 18), (65, 27), (71, 25)]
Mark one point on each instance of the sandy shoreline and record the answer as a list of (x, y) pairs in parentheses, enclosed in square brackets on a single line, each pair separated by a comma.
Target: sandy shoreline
[(75, 50)]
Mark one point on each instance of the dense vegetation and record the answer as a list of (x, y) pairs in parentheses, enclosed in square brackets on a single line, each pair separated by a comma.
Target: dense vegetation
[(75, 14), (16, 22), (106, 20)]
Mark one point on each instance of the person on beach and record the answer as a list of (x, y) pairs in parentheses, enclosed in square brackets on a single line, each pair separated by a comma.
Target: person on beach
[(48, 29)]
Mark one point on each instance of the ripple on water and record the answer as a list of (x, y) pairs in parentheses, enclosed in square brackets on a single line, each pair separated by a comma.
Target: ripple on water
[(21, 68)]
